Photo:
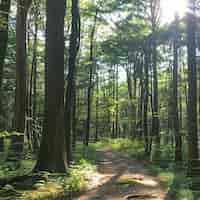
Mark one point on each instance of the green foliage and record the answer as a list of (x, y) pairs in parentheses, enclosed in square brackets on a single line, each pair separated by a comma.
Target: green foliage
[(79, 173), (134, 149), (6, 134)]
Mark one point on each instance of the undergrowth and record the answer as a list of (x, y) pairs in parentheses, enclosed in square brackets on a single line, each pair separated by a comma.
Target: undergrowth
[(165, 169), (53, 186), (84, 167)]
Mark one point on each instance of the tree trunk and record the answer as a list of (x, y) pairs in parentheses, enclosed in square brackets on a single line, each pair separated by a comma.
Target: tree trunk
[(71, 84), (74, 118), (89, 92), (33, 83), (178, 139), (155, 119), (146, 101), (97, 109), (113, 99), (21, 75), (52, 154), (117, 103), (140, 104), (193, 154), (4, 13)]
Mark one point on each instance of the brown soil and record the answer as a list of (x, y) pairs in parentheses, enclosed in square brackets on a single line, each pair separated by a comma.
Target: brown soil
[(106, 185)]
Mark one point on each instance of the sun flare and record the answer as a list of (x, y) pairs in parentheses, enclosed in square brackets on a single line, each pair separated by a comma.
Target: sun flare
[(171, 7)]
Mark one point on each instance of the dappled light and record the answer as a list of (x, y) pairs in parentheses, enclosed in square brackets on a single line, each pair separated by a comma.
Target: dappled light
[(99, 100), (122, 177)]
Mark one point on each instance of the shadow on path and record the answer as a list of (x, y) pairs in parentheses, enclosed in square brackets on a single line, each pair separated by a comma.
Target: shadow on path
[(115, 165)]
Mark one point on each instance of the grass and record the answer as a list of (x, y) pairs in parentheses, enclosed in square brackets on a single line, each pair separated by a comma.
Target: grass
[(175, 180), (133, 148), (54, 185), (76, 180), (84, 167)]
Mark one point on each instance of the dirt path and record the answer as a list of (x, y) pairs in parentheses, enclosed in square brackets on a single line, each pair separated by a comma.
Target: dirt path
[(121, 178)]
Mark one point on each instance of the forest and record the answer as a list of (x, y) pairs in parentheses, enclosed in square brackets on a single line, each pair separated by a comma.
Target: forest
[(99, 99)]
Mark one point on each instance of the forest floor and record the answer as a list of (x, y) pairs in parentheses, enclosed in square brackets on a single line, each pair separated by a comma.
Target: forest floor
[(121, 178), (112, 169)]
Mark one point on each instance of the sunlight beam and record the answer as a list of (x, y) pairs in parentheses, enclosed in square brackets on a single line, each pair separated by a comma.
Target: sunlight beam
[(170, 7)]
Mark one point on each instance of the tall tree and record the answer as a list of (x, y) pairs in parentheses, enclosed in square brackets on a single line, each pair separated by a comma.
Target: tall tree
[(193, 152), (21, 73), (4, 13), (154, 19), (146, 97), (34, 68), (90, 83), (178, 139), (33, 79), (71, 82), (117, 133), (52, 154), (97, 108)]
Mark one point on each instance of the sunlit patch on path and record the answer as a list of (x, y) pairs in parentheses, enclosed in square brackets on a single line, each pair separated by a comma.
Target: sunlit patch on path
[(120, 178)]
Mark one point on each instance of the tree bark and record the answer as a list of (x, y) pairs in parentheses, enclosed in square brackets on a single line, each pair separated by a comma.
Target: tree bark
[(97, 109), (33, 83), (73, 50), (193, 154), (178, 139), (21, 75), (155, 119), (117, 103), (4, 14), (90, 84), (74, 118), (146, 101), (52, 154)]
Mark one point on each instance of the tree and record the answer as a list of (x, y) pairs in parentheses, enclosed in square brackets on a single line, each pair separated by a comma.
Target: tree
[(33, 79), (4, 13), (117, 131), (21, 73), (52, 154), (90, 83), (154, 19), (146, 97), (71, 82), (193, 153), (97, 108), (178, 139)]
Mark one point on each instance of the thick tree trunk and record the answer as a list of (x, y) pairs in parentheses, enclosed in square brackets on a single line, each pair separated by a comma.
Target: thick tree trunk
[(52, 154), (21, 75), (4, 13), (193, 152)]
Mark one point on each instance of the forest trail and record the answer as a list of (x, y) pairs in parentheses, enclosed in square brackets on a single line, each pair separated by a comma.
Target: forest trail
[(121, 178)]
